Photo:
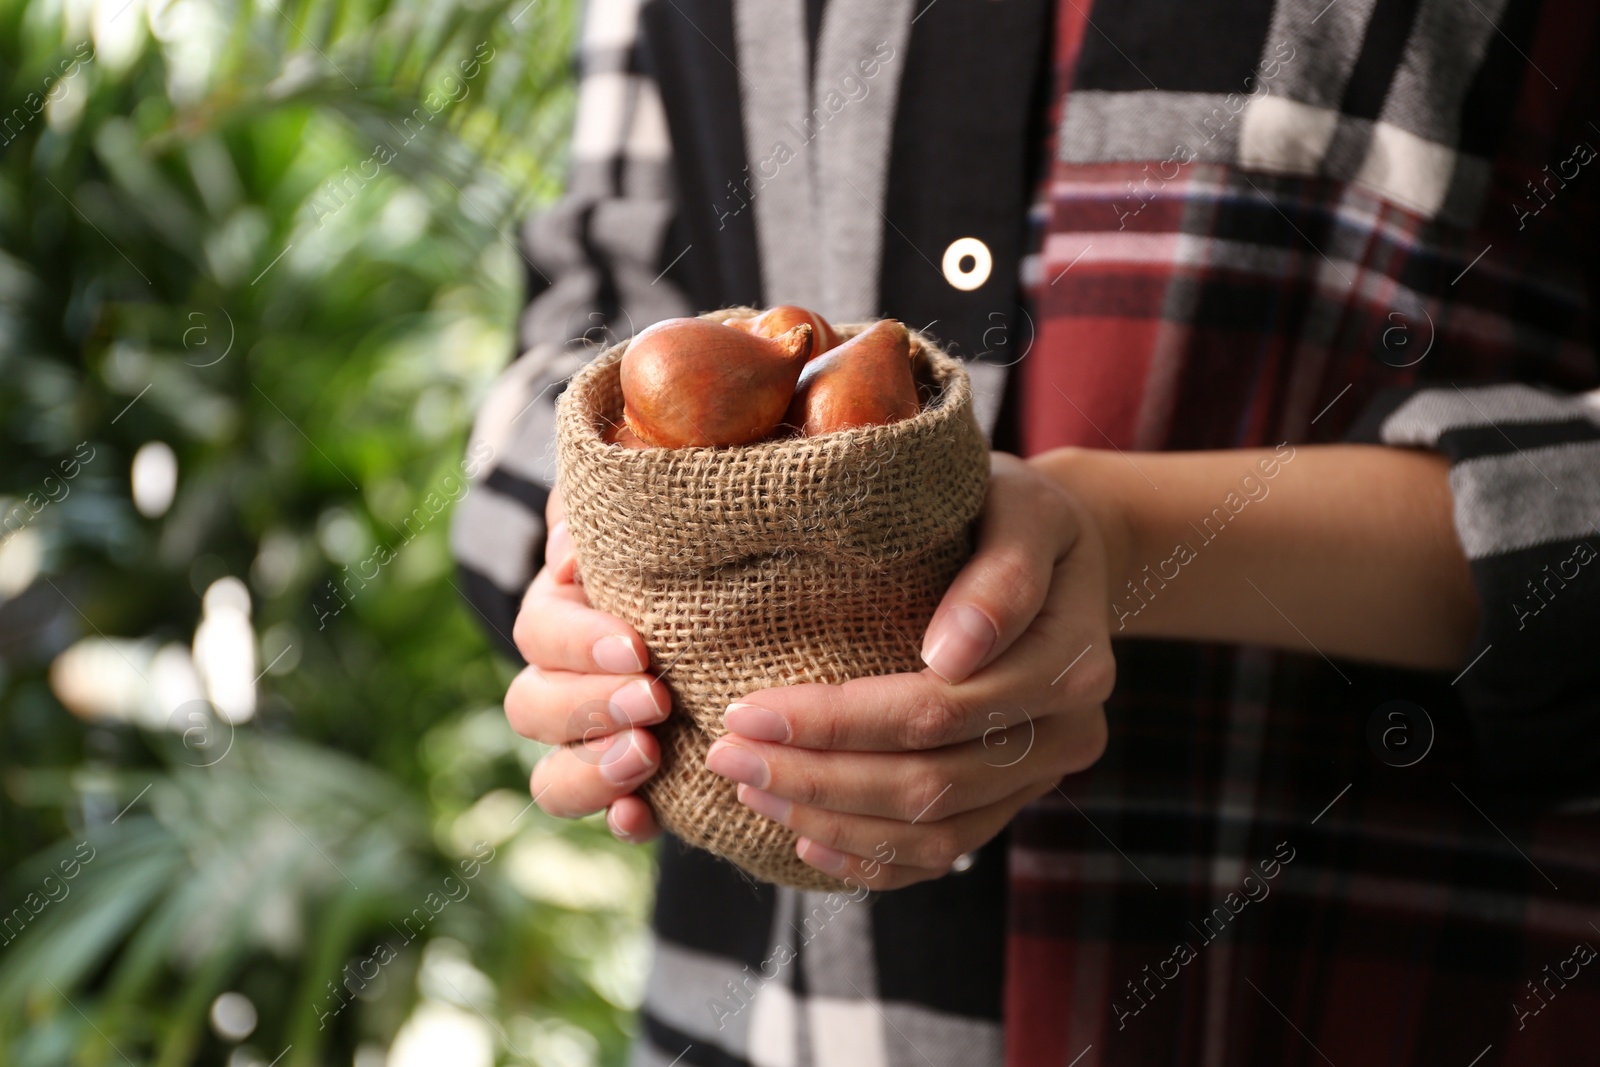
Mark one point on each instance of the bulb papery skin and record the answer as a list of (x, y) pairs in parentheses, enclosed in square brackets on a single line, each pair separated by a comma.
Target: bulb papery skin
[(619, 434), (695, 383), (784, 317), (865, 381)]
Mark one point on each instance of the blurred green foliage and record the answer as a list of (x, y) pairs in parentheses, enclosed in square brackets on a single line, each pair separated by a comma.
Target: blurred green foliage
[(280, 238)]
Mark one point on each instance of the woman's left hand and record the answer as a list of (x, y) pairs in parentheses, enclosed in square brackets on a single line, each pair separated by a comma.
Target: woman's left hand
[(889, 780)]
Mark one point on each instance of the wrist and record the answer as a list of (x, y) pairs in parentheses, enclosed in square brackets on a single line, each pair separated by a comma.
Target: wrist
[(1096, 480)]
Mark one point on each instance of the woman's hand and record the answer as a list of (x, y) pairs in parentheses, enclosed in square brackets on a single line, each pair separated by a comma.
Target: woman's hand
[(585, 690), (891, 779)]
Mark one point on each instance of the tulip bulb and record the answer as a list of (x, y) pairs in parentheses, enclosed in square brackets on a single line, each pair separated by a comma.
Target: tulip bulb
[(778, 320), (692, 382), (865, 381)]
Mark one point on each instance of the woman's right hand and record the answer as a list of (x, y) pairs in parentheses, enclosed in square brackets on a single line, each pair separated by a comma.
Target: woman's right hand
[(586, 691)]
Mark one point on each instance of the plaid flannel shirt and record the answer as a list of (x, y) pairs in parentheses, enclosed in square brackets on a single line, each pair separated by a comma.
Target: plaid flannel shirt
[(1261, 222)]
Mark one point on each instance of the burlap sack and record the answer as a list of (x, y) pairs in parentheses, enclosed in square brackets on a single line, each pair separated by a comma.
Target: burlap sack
[(803, 560)]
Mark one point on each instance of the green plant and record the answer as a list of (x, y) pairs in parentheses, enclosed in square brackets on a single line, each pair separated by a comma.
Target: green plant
[(234, 232)]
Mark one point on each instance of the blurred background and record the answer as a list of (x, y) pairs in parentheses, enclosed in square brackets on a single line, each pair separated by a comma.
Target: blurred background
[(260, 804)]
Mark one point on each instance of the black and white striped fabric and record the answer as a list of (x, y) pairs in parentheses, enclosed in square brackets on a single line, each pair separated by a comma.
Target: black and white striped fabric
[(745, 973), (593, 278), (750, 974), (1525, 473), (1359, 92)]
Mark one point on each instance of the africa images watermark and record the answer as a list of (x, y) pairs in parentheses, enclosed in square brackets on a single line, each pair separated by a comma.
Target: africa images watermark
[(1582, 954), (53, 89), (433, 505), (829, 105), (55, 890), (1582, 155), (28, 509), (741, 993), (1211, 527), (1566, 570), (1255, 889), (339, 191), (1223, 116), (356, 975)]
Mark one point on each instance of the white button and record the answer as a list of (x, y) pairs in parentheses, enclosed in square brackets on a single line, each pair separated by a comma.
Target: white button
[(982, 263)]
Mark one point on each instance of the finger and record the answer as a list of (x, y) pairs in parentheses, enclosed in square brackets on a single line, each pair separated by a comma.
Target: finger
[(1025, 529), (562, 632), (1062, 662), (561, 555), (917, 787), (885, 713), (930, 846), (861, 873), (549, 582), (577, 780), (906, 786), (630, 819), (555, 707)]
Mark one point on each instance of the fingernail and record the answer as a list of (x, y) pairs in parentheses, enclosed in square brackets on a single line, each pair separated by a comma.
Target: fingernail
[(616, 831), (615, 653), (635, 704), (964, 636), (558, 545), (623, 763), (821, 857), (756, 723), (737, 763), (763, 803)]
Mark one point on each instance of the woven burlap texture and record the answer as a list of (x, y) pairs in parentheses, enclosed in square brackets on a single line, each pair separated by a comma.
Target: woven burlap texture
[(801, 560)]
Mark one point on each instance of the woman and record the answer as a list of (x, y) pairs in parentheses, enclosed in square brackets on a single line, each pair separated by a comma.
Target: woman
[(1301, 750)]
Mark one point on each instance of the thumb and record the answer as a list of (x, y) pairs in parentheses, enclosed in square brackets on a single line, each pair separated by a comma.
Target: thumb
[(1026, 527)]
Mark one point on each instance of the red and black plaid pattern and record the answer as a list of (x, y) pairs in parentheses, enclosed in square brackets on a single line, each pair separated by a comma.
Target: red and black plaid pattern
[(1248, 877), (1243, 880)]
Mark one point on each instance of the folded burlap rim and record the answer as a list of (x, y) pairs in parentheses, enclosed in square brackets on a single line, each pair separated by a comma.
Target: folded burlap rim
[(692, 545), (777, 496)]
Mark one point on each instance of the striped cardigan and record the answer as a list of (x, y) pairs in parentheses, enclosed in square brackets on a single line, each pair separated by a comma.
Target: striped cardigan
[(1204, 225)]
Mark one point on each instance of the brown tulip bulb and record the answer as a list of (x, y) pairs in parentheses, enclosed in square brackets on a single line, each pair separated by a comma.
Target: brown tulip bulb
[(693, 382), (778, 320), (866, 381)]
